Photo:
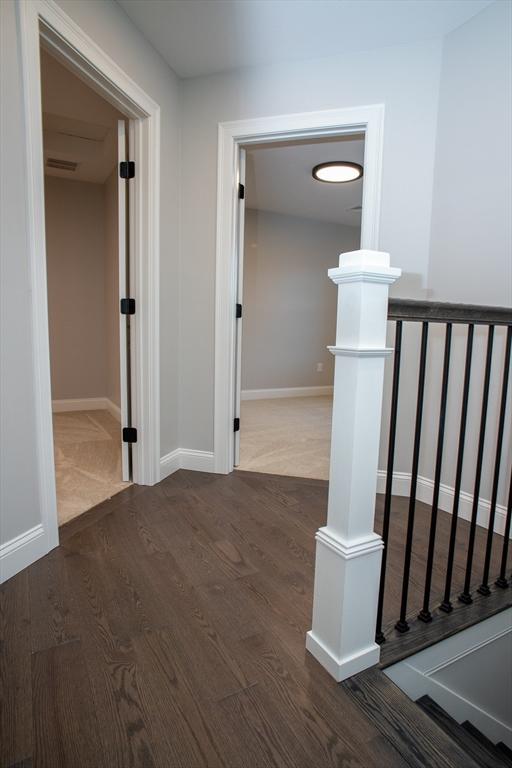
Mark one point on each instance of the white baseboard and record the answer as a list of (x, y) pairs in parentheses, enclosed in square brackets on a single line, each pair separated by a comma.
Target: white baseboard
[(270, 394), (186, 458), (402, 484), (20, 552), (113, 409), (87, 404)]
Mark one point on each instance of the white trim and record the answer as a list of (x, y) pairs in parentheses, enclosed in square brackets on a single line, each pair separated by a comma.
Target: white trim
[(186, 458), (349, 548), (425, 489), (21, 551), (45, 20), (271, 394), (360, 352), (170, 463), (368, 119), (342, 668), (87, 404)]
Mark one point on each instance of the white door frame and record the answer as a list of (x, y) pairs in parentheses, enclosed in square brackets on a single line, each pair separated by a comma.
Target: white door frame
[(366, 119), (45, 20)]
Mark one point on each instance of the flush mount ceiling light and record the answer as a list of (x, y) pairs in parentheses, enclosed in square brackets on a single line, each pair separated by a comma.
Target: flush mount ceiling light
[(338, 172)]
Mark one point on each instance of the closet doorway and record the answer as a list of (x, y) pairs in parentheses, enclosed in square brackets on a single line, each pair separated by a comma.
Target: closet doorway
[(87, 202)]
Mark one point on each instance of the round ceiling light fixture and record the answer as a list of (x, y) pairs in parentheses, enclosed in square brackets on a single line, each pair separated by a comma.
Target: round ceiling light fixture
[(337, 172)]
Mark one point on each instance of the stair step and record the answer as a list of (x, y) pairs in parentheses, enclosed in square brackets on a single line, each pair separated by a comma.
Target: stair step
[(487, 743), (412, 733), (474, 743), (505, 752)]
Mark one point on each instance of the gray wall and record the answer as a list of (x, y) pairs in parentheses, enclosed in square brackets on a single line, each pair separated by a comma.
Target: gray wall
[(111, 29), (289, 303), (76, 264), (405, 78), (19, 500), (111, 274), (83, 294)]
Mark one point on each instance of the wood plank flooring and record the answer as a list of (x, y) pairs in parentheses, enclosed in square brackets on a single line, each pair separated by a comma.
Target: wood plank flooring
[(168, 630)]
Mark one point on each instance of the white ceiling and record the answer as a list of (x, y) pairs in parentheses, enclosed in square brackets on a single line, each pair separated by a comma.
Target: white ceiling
[(200, 37), (279, 179), (78, 125)]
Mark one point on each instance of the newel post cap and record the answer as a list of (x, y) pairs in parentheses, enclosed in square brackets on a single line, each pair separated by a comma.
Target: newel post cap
[(364, 266)]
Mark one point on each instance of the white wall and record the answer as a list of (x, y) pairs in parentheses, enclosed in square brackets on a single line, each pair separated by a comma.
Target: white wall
[(471, 249), (471, 245), (289, 304), (111, 29), (405, 78)]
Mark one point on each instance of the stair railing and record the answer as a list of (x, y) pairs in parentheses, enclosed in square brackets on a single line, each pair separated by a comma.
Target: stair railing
[(426, 313), (351, 559)]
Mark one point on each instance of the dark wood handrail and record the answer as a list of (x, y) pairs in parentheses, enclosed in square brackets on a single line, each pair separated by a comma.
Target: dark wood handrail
[(442, 312)]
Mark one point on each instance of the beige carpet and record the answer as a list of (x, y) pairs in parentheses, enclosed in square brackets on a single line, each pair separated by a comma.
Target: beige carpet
[(87, 460), (286, 436)]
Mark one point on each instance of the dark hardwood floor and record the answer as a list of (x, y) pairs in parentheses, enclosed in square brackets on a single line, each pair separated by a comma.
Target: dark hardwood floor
[(168, 630)]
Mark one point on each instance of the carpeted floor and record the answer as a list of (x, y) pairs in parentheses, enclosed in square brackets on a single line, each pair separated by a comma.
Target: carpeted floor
[(87, 446), (286, 436)]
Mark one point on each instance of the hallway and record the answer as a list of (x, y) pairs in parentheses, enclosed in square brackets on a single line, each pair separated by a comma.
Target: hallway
[(168, 630)]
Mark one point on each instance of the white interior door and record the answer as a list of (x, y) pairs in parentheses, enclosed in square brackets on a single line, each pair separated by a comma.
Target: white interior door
[(239, 300), (123, 240)]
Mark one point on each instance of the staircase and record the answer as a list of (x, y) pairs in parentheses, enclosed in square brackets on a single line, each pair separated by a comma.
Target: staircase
[(469, 739)]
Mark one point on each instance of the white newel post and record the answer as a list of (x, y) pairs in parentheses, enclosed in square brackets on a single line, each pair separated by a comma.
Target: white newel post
[(348, 552)]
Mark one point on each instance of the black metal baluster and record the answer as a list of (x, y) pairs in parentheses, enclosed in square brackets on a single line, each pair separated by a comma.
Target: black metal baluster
[(402, 624), (379, 636), (465, 596), (502, 580), (446, 605), (425, 614), (484, 586)]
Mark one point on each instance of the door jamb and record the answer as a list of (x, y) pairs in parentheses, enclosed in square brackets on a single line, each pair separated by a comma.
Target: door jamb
[(44, 21), (231, 137)]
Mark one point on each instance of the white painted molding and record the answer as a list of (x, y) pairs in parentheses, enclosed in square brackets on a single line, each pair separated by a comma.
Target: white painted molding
[(18, 553), (341, 668), (349, 549), (186, 458), (360, 352), (87, 404), (348, 552), (271, 394), (231, 137), (416, 675), (424, 493), (45, 20)]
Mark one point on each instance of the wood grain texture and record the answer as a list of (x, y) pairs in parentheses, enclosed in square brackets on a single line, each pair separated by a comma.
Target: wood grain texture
[(168, 630)]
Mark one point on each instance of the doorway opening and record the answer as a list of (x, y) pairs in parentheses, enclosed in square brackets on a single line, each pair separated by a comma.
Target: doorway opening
[(292, 228), (85, 140), (367, 121), (45, 24)]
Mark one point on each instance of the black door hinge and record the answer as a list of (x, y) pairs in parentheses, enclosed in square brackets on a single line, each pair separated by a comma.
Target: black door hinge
[(239, 310), (127, 169), (129, 435), (236, 425), (127, 306), (241, 192)]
